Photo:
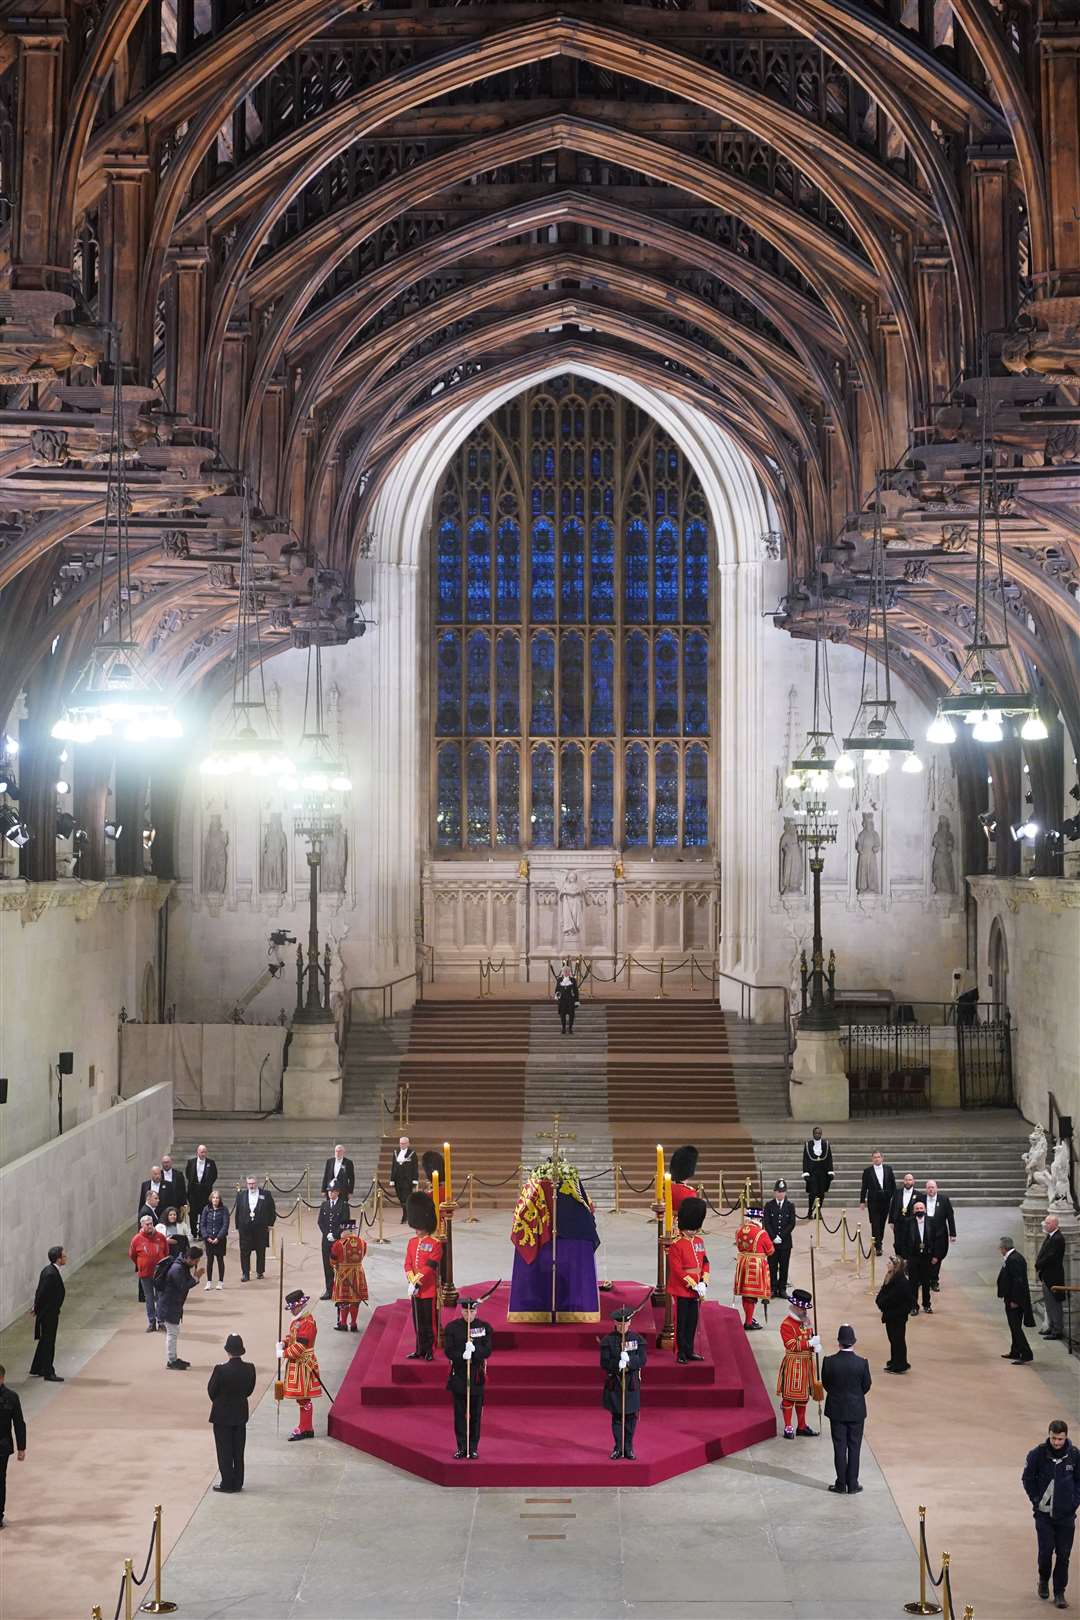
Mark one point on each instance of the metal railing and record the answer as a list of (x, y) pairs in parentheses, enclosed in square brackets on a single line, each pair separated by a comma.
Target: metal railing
[(888, 1066)]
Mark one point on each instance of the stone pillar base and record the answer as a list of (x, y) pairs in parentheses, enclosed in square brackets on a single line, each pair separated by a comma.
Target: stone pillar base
[(819, 1085), (311, 1086)]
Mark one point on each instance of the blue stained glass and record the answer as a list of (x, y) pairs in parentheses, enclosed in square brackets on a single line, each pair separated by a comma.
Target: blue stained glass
[(449, 570), (507, 685), (508, 572), (478, 683), (667, 795), (572, 685), (602, 686), (696, 684), (636, 571), (549, 461), (602, 802), (636, 684), (448, 710), (696, 572), (696, 801), (572, 565), (507, 796), (636, 798), (572, 797), (666, 675), (478, 571), (543, 797), (667, 572), (543, 570), (478, 794), (542, 718), (448, 797), (602, 572)]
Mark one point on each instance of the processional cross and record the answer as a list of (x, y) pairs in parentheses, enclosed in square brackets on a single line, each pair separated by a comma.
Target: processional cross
[(556, 1137)]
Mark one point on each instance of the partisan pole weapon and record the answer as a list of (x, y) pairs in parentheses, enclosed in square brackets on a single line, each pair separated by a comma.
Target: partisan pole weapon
[(622, 1403), (817, 1366), (279, 1385)]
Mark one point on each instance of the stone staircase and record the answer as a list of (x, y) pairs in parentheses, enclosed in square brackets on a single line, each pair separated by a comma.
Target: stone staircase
[(981, 1168), (567, 1075), (282, 1159)]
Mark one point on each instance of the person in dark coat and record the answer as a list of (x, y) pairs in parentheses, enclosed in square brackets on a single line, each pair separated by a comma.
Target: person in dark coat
[(903, 1204), (468, 1343), (1050, 1270), (845, 1378), (333, 1213), (12, 1435), (567, 996), (253, 1216), (622, 1356), (341, 1171), (213, 1229), (183, 1273), (152, 1184), (173, 1185), (201, 1177), (817, 1169), (921, 1238), (778, 1218), (1051, 1479), (404, 1173), (894, 1300), (229, 1386), (1013, 1291), (48, 1302), (876, 1195)]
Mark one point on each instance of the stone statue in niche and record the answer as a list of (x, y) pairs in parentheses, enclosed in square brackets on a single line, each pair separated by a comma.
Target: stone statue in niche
[(570, 906), (791, 860), (868, 850), (215, 863), (274, 857), (1034, 1159), (943, 869), (1055, 1177), (335, 859)]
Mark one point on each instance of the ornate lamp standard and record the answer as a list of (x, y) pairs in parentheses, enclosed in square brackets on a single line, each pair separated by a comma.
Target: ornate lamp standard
[(815, 828)]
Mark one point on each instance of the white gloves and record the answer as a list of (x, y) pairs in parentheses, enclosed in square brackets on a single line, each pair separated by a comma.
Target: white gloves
[(701, 1287), (624, 1361), (280, 1351), (815, 1344), (412, 1289), (469, 1350)]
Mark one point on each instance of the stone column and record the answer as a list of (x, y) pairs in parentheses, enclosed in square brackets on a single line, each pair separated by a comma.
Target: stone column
[(186, 302), (993, 230), (394, 730), (233, 389), (897, 415), (41, 46), (742, 815), (124, 240), (270, 444), (1058, 36), (933, 269)]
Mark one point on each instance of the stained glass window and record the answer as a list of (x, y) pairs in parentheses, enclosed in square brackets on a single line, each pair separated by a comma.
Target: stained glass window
[(571, 609)]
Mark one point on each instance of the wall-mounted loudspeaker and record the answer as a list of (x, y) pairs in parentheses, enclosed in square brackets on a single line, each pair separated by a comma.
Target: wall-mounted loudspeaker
[(66, 1063), (3, 1088)]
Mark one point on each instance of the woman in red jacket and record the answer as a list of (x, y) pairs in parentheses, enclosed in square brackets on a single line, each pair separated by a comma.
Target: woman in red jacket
[(146, 1248)]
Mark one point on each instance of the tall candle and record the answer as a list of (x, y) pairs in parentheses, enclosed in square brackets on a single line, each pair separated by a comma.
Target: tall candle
[(668, 1213), (659, 1174), (435, 1197), (449, 1178)]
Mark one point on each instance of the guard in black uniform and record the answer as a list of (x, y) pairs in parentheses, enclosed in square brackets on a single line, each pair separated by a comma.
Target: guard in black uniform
[(622, 1356), (817, 1169), (467, 1343), (778, 1219)]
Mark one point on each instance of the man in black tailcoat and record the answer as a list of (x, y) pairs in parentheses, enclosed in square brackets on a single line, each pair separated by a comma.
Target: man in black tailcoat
[(48, 1300)]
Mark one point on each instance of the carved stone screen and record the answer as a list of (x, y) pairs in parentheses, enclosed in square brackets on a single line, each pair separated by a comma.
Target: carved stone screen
[(572, 620)]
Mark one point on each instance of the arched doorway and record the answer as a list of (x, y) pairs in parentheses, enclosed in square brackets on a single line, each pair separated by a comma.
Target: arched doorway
[(998, 969)]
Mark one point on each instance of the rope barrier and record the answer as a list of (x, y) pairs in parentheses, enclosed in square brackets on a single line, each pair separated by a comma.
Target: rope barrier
[(129, 1580), (723, 1213), (270, 1182), (504, 1182), (596, 1175), (648, 1187)]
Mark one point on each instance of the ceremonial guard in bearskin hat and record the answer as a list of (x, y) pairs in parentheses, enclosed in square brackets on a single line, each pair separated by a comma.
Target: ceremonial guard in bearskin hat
[(302, 1382), (350, 1283), (622, 1356), (688, 1275), (752, 1280), (796, 1381), (683, 1166), (423, 1263), (467, 1342)]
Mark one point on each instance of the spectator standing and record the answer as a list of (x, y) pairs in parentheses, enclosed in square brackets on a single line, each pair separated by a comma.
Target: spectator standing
[(214, 1236), (919, 1253), (340, 1172), (876, 1195), (201, 1176), (894, 1300), (177, 1232), (12, 1435), (152, 1207), (817, 1169), (845, 1378), (173, 1185), (1050, 1270), (1051, 1479), (253, 1216), (146, 1248), (48, 1303), (404, 1173), (1013, 1291), (183, 1273), (567, 996), (939, 1210), (904, 1202), (152, 1184), (229, 1386)]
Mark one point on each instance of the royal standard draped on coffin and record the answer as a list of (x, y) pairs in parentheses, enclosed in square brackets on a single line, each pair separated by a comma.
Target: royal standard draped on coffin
[(565, 1224)]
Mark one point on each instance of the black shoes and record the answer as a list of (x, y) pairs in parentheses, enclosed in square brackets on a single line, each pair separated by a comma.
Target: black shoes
[(152, 1328), (339, 1327), (460, 1454), (177, 1366), (801, 1433), (1060, 1602), (838, 1490), (751, 1327), (326, 1295), (354, 1327), (693, 1356), (1043, 1589), (51, 1378), (628, 1456), (245, 1279), (473, 1455), (853, 1490), (616, 1455), (682, 1360), (928, 1310)]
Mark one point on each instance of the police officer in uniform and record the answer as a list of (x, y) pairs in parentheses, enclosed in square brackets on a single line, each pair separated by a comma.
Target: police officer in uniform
[(778, 1219), (468, 1343), (622, 1356)]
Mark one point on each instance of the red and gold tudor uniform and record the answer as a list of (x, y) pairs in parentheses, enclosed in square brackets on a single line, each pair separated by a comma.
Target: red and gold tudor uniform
[(752, 1279), (423, 1268), (683, 1165), (688, 1276), (302, 1382), (796, 1382), (350, 1283)]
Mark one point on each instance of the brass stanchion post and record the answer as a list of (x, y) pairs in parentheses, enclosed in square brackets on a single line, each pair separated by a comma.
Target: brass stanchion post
[(666, 1340), (660, 1291), (969, 1612), (858, 1251), (379, 1214), (307, 1182), (618, 1190), (843, 1235), (720, 1193), (157, 1604), (299, 1220), (660, 990), (921, 1606), (946, 1606), (472, 1217), (817, 1223), (873, 1268), (129, 1583), (449, 1292), (95, 1612)]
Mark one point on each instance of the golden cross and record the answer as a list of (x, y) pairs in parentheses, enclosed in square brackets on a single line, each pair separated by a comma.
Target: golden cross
[(556, 1138)]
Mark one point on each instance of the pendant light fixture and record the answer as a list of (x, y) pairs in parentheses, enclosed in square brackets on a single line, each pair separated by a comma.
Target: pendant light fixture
[(877, 731), (976, 696), (114, 694), (250, 744), (814, 771), (316, 778)]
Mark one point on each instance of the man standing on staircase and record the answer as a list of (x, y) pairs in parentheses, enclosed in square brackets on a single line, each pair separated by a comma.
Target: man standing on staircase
[(779, 1221), (817, 1169), (876, 1195), (404, 1173), (567, 996), (752, 1281)]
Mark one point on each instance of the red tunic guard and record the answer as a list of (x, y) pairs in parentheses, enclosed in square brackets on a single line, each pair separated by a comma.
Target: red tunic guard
[(423, 1269), (350, 1283), (752, 1280), (796, 1382), (302, 1382), (687, 1264)]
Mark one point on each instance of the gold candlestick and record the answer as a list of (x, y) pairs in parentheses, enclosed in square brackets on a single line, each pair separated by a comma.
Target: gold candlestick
[(659, 1293), (449, 1291), (666, 1338)]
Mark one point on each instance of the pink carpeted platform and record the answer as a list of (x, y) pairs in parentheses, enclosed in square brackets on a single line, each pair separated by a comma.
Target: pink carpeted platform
[(543, 1419)]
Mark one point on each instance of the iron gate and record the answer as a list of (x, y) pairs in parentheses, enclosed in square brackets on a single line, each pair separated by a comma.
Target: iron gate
[(888, 1067), (984, 1060)]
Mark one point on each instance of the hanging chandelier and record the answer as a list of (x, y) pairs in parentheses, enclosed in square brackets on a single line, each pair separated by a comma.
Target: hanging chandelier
[(316, 779), (877, 731), (810, 773), (976, 695), (115, 694), (250, 744)]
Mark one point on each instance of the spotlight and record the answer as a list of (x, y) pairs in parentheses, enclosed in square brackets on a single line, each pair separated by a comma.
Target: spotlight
[(1034, 729), (987, 729), (912, 765), (988, 822), (149, 833), (940, 730), (10, 745), (15, 831), (113, 829), (63, 787), (65, 824), (1024, 829)]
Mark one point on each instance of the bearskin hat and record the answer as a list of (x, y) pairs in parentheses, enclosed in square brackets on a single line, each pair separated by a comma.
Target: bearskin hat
[(691, 1216), (420, 1212), (432, 1161), (683, 1163)]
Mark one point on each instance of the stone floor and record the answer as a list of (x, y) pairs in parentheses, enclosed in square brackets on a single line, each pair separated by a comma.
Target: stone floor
[(325, 1532)]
